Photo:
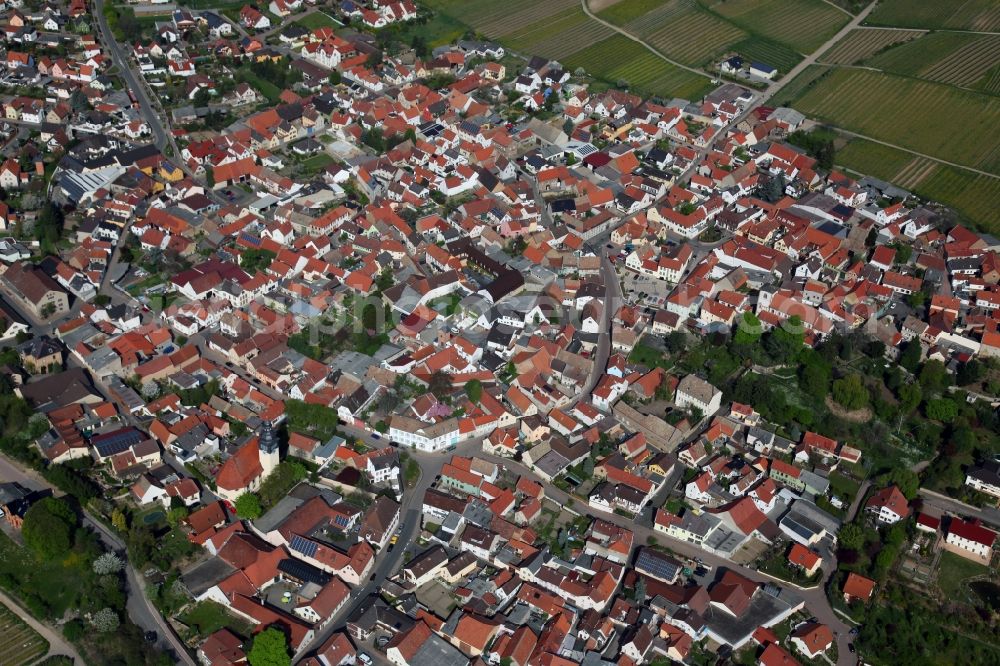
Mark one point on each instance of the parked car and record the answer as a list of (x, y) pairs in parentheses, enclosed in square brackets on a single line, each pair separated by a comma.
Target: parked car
[(364, 659)]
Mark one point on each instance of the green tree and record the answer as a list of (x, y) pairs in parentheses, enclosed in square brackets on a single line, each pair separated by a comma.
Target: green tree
[(941, 409), (270, 648), (934, 376), (851, 392), (851, 536), (910, 357), (814, 378), (256, 260), (474, 391), (783, 342), (439, 384), (48, 528), (748, 329), (248, 506), (906, 480), (910, 396)]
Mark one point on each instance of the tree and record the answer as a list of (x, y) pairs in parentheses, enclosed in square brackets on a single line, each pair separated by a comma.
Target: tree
[(105, 620), (934, 376), (108, 563), (270, 648), (910, 396), (969, 373), (851, 536), (941, 409), (118, 520), (906, 480), (916, 299), (814, 378), (775, 188), (48, 528), (851, 392), (248, 506), (675, 341), (256, 260), (176, 515), (910, 358), (748, 330), (439, 384), (474, 391)]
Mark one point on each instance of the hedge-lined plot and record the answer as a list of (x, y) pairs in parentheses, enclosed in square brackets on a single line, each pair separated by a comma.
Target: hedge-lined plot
[(19, 643), (938, 120), (802, 24), (864, 43), (982, 15)]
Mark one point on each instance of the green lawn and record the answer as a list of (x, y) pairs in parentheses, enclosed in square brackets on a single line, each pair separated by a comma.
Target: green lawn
[(266, 88), (953, 571), (843, 486), (317, 20), (316, 163), (651, 357)]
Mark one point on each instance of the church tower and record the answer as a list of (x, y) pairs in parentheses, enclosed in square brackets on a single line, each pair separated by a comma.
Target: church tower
[(268, 447)]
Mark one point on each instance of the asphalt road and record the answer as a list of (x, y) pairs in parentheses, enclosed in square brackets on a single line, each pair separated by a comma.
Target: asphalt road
[(988, 514), (160, 136)]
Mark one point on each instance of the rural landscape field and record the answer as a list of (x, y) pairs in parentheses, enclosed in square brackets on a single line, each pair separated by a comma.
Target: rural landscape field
[(20, 645)]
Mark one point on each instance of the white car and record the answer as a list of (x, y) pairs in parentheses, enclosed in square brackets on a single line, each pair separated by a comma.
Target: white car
[(364, 659)]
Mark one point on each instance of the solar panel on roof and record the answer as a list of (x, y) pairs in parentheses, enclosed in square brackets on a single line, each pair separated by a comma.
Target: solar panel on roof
[(656, 566), (302, 545)]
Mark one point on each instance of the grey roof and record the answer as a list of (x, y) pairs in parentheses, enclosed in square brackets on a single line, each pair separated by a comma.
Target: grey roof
[(202, 577), (435, 651)]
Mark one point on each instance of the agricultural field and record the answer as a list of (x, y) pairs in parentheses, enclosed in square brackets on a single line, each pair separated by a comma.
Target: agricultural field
[(799, 85), (803, 24), (958, 59), (974, 196), (498, 19), (19, 643), (559, 36), (938, 120), (619, 58), (863, 43), (699, 32), (684, 32), (981, 15)]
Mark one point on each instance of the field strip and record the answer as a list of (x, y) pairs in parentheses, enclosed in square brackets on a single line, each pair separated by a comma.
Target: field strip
[(625, 33), (916, 154)]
